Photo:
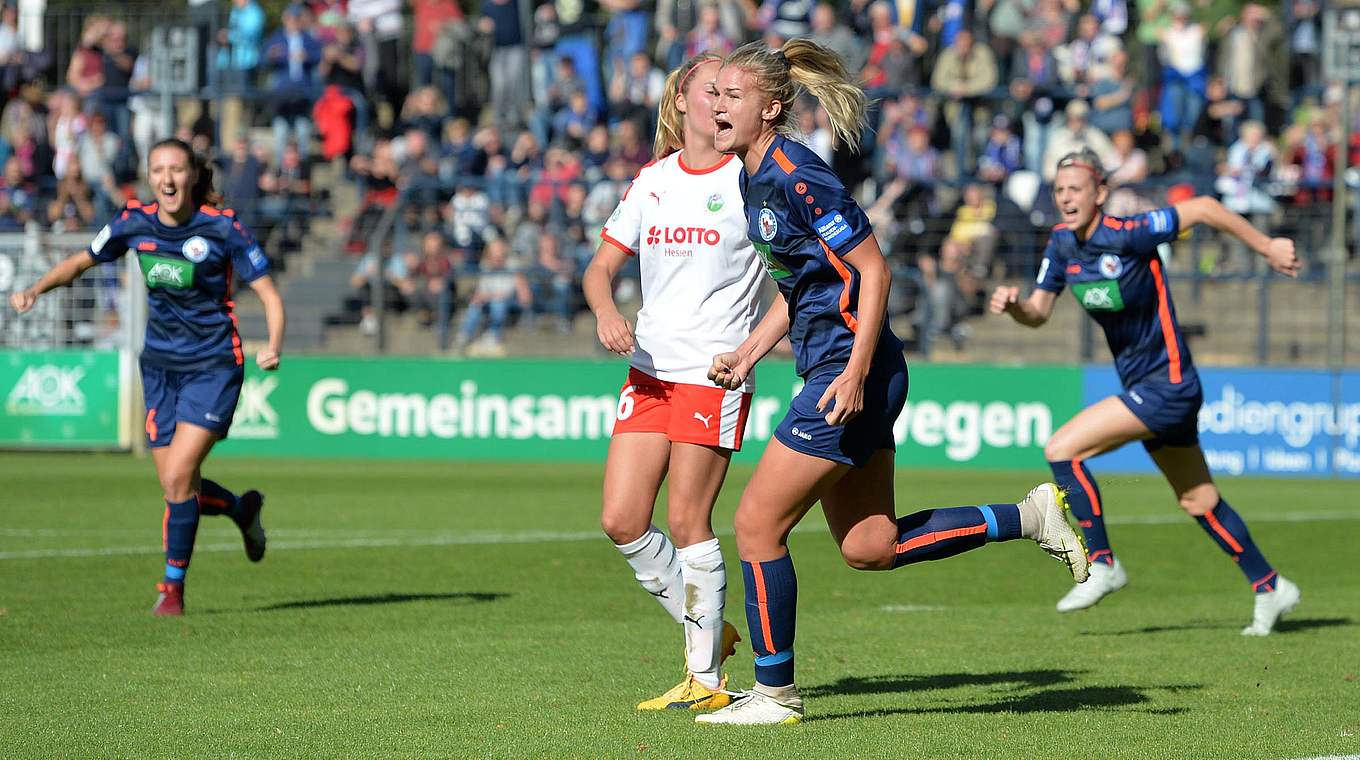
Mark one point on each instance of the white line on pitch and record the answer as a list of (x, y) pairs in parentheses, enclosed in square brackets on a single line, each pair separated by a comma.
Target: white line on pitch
[(909, 608), (536, 537)]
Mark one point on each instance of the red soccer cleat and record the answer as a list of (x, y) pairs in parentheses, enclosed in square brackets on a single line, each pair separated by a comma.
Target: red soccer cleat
[(171, 600)]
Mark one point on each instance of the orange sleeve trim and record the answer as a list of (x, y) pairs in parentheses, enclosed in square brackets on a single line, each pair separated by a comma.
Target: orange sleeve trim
[(847, 280), (1173, 349), (783, 161), (606, 238)]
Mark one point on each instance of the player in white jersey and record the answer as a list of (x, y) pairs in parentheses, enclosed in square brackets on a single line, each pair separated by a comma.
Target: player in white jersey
[(684, 220)]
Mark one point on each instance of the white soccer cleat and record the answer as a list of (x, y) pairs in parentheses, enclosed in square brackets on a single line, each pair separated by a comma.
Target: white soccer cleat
[(753, 708), (1055, 535), (1271, 606), (1104, 580)]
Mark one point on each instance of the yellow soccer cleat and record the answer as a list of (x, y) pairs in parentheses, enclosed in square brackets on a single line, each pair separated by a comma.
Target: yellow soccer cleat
[(729, 642), (689, 694)]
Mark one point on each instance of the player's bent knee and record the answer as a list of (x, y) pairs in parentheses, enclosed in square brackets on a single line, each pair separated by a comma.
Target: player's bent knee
[(622, 529), (1057, 450), (1200, 500), (177, 483), (688, 528), (867, 555)]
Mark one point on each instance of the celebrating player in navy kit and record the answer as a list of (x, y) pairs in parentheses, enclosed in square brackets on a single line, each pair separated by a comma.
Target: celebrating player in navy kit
[(192, 365), (1113, 269), (836, 443)]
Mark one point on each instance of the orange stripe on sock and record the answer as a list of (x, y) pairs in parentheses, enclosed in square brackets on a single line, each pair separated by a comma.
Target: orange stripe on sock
[(937, 536), (763, 606), (212, 501), (1086, 486), (165, 529), (1222, 532)]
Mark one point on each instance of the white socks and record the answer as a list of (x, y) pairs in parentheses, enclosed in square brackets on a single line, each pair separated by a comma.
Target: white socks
[(691, 584), (705, 578), (655, 566)]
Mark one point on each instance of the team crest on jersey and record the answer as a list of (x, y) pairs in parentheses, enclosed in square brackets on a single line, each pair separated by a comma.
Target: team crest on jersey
[(715, 202), (1111, 265), (195, 249), (769, 226)]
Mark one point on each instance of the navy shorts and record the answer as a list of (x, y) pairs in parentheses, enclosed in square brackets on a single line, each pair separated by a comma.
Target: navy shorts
[(203, 397), (1170, 411), (805, 430)]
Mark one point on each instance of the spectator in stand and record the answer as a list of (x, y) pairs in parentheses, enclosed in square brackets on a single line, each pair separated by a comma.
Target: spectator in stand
[(627, 29), (556, 97), (286, 192), (576, 40), (397, 284), (111, 98), (425, 110), (963, 72), (631, 146), (509, 61), (458, 156), (554, 280), (380, 28), (835, 36), (1006, 21), (1183, 75), (294, 54), (709, 33), (85, 72), (429, 18), (534, 225), (377, 180), (636, 89), (327, 17), (469, 218), (893, 64), (1112, 92), (342, 66), (18, 198), (1305, 42), (1310, 156), (498, 292), (911, 157), (509, 177), (1002, 154), (1222, 114), (1088, 54), (1244, 59), (816, 133), (574, 122), (949, 287), (560, 169), (240, 44), (596, 154), (435, 288), (71, 209), (98, 154), (1243, 176), (975, 226), (1051, 19), (66, 124), (1035, 63), (240, 178), (1113, 16), (785, 19), (1075, 134), (605, 195), (1130, 166)]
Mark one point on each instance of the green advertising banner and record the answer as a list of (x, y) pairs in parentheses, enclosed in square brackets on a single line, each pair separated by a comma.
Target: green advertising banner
[(564, 410), (60, 399)]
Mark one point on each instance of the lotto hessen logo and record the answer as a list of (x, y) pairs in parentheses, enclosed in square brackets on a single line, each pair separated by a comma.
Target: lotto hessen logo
[(1102, 295), (683, 236), (255, 416), (47, 390)]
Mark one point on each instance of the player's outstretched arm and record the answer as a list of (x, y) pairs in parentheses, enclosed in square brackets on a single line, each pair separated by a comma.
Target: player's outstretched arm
[(611, 328), (730, 369), (1031, 312), (275, 321), (1278, 252), (59, 276)]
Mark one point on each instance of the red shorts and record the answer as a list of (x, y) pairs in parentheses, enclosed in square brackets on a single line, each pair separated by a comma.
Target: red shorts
[(701, 414)]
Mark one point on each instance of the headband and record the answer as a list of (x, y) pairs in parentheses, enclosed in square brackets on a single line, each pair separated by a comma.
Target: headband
[(680, 90), (1075, 164)]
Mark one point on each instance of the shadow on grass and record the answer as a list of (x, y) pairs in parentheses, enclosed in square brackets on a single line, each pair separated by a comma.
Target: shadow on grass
[(468, 597), (1284, 626), (1037, 696)]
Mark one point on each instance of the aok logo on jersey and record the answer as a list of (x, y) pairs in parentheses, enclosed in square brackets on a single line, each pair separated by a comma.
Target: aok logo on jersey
[(161, 272), (47, 390), (1102, 295)]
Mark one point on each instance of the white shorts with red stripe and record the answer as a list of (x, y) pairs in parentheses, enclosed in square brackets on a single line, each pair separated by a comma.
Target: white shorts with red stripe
[(700, 414)]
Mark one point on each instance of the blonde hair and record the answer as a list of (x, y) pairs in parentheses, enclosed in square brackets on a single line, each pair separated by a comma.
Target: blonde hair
[(802, 63), (670, 122)]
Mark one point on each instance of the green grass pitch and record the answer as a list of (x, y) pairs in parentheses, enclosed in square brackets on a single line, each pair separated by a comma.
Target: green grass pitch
[(474, 610)]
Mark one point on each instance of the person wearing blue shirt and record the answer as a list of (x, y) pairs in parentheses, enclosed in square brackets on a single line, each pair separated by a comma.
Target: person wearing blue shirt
[(1113, 268), (294, 55), (836, 444), (190, 253)]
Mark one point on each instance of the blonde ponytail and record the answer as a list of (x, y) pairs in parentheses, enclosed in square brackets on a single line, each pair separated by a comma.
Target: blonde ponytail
[(802, 63), (670, 122)]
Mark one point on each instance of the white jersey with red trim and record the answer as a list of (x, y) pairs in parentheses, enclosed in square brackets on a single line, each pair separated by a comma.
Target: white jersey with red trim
[(701, 276)]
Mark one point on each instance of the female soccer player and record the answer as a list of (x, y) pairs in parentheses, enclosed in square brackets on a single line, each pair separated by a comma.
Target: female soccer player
[(836, 443), (683, 218), (192, 365), (1114, 271)]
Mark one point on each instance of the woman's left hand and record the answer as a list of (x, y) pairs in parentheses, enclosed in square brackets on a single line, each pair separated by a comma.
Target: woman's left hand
[(1280, 255), (846, 394), (268, 360)]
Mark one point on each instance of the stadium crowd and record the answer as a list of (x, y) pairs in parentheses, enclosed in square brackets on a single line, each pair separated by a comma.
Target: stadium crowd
[(505, 137)]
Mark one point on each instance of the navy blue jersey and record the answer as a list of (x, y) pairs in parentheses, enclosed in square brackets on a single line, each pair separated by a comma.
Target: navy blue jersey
[(802, 221), (188, 270), (1117, 277)]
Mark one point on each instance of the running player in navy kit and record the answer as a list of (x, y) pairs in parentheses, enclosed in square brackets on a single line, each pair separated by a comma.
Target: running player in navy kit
[(1113, 269), (192, 365), (836, 443)]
